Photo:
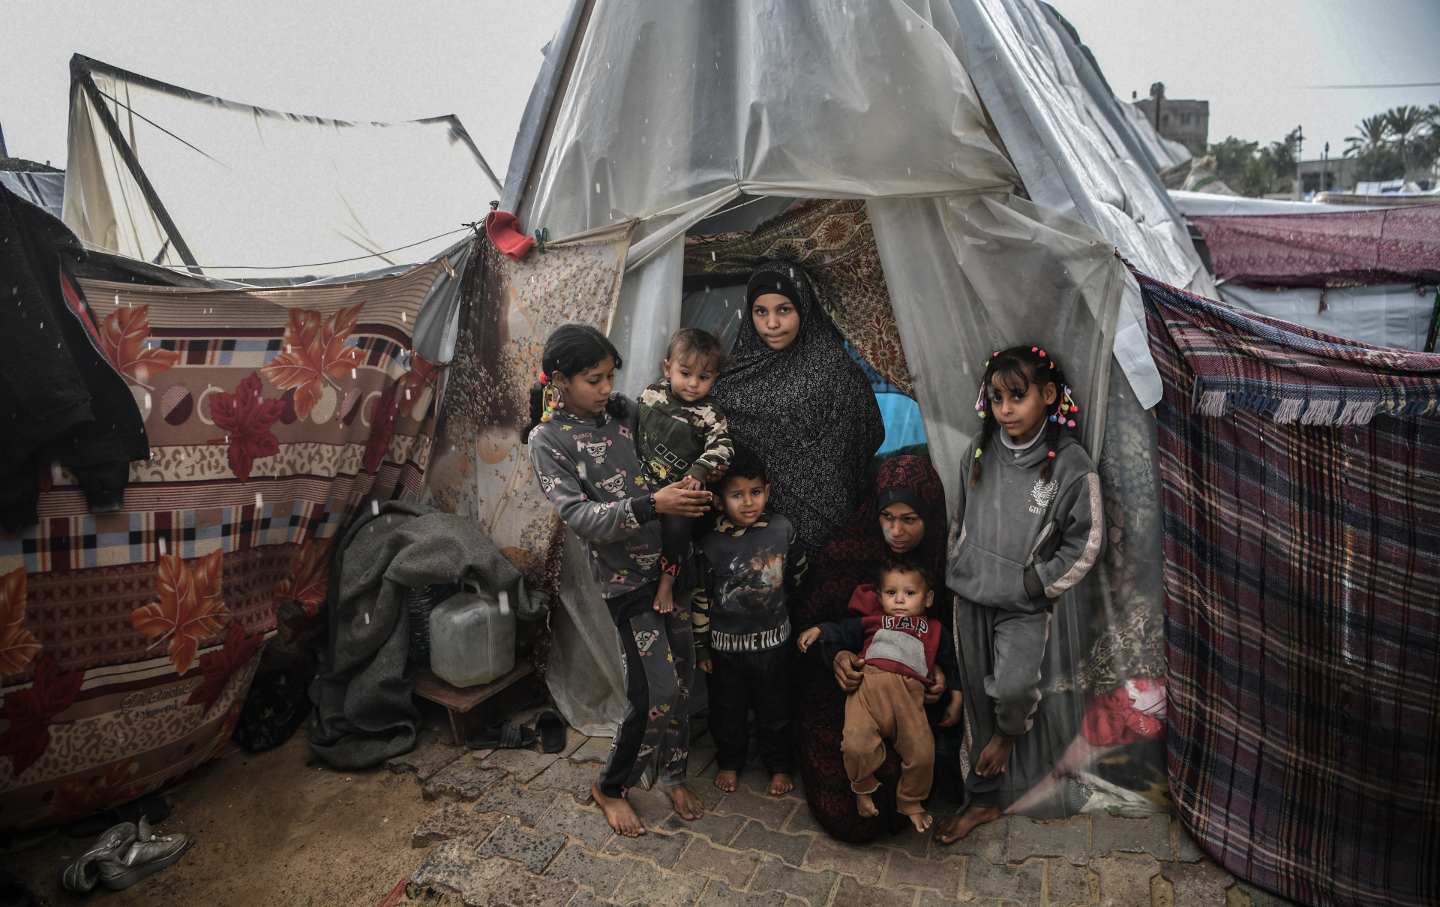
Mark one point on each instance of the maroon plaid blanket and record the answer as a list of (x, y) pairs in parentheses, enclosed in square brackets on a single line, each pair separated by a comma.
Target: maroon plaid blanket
[(1302, 575)]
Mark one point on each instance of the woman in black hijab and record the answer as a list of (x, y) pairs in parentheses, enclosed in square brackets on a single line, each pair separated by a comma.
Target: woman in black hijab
[(794, 396)]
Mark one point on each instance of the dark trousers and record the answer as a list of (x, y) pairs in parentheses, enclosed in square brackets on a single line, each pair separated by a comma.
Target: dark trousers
[(657, 654), (739, 682)]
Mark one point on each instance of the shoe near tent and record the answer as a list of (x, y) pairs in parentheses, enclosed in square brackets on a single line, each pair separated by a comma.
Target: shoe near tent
[(956, 147), (278, 399)]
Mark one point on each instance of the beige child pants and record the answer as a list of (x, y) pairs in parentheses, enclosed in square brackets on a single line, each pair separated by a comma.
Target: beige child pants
[(889, 706)]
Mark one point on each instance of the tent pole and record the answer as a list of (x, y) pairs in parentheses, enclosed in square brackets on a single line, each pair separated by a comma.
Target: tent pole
[(538, 122), (127, 154)]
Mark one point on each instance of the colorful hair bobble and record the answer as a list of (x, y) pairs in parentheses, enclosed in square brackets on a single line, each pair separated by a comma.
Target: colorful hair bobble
[(1051, 454), (1070, 424), (543, 378), (978, 452)]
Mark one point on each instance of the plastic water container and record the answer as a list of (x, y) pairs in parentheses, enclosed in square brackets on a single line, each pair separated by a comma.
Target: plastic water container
[(472, 638)]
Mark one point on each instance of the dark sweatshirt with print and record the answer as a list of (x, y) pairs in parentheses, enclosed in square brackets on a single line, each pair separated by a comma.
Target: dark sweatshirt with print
[(748, 574), (589, 471), (1018, 542)]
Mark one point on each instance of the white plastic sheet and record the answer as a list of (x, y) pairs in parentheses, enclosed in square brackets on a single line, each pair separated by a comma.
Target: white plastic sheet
[(246, 186), (1395, 315)]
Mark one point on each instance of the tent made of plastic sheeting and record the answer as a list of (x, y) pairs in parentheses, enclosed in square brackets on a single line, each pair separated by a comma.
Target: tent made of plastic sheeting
[(42, 189), (1205, 204), (1167, 153), (1388, 315), (173, 177), (924, 123)]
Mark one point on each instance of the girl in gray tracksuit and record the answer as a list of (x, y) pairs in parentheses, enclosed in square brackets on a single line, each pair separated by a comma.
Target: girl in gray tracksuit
[(1027, 528)]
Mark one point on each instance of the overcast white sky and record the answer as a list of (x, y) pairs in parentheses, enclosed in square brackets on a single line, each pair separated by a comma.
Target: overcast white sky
[(376, 60)]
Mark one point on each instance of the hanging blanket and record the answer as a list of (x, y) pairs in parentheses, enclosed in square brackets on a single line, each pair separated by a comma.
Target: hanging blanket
[(128, 639), (1338, 249), (1301, 488)]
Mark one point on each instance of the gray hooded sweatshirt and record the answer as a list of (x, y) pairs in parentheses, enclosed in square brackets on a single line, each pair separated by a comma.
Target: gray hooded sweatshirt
[(589, 470), (1018, 542)]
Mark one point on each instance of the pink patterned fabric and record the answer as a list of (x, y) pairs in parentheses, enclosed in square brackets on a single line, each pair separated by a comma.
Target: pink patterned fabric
[(1396, 245)]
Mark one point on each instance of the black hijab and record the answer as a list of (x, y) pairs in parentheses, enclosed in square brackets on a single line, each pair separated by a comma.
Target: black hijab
[(807, 411)]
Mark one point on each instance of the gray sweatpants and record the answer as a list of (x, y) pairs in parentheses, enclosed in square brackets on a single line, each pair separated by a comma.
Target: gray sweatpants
[(1017, 642)]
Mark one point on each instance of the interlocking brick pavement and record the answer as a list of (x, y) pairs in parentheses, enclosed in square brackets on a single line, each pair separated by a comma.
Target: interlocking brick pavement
[(531, 837)]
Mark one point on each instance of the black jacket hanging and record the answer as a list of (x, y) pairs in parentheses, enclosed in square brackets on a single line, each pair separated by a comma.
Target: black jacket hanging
[(60, 399)]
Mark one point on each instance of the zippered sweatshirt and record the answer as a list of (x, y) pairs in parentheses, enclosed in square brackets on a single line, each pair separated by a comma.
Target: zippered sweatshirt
[(589, 470), (1018, 542)]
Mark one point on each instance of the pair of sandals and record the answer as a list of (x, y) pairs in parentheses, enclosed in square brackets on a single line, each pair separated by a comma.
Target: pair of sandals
[(549, 729), (123, 855)]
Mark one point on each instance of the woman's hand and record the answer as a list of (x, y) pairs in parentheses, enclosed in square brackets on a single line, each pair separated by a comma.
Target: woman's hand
[(849, 671), (807, 638), (676, 500), (935, 688)]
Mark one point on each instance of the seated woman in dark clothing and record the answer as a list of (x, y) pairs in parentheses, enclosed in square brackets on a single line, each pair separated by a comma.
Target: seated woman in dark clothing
[(905, 515)]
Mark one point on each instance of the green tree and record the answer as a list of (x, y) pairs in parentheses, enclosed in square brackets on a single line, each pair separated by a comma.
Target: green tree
[(1379, 163), (1231, 157), (1370, 133), (1406, 124)]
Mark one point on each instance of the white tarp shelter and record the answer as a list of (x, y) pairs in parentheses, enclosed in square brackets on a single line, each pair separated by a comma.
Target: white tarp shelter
[(938, 114), (190, 181)]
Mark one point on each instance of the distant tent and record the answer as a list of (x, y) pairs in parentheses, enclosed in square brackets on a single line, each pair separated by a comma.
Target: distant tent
[(174, 177), (1363, 273)]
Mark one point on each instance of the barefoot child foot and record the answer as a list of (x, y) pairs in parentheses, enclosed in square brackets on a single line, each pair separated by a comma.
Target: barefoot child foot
[(994, 757), (726, 780), (686, 804), (781, 783), (865, 805), (957, 827), (618, 813), (665, 594), (921, 820)]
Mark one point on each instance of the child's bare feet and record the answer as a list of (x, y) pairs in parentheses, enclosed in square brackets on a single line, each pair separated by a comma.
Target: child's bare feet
[(727, 780), (665, 594), (956, 827), (995, 756), (686, 803), (921, 820), (618, 813), (781, 783), (865, 805)]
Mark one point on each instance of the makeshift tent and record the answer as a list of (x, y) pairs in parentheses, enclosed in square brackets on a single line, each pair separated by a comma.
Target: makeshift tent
[(931, 118), (1366, 273), (273, 414), (42, 189), (174, 177), (1301, 481)]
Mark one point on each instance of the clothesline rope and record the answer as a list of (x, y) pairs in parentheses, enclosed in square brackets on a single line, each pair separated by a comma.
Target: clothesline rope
[(318, 264)]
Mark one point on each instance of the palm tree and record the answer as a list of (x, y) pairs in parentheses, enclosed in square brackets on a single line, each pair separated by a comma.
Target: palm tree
[(1373, 133), (1404, 122)]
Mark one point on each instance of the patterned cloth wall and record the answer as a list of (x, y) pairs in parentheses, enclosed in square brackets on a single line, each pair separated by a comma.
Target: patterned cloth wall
[(128, 640)]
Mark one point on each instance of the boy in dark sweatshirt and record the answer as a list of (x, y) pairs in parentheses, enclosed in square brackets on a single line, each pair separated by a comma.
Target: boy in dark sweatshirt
[(750, 565), (900, 651)]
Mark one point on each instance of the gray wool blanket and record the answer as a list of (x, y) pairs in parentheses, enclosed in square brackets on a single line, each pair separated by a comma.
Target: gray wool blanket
[(364, 713)]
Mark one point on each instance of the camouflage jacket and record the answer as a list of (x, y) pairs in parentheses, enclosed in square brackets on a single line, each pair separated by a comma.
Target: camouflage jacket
[(675, 438)]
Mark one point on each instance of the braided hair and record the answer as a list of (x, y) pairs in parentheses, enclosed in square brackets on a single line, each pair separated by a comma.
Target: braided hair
[(569, 350), (1018, 368)]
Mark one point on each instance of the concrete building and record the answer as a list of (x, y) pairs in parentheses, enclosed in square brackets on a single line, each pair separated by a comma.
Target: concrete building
[(1338, 174), (1185, 121)]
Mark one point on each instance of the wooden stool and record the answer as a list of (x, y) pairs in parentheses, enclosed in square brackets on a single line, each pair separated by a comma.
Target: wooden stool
[(460, 700)]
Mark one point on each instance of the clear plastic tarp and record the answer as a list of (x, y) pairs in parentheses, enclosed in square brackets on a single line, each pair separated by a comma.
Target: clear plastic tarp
[(1395, 315), (670, 112), (251, 192)]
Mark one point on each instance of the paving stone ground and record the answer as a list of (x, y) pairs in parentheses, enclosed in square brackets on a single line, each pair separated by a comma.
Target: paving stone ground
[(517, 827)]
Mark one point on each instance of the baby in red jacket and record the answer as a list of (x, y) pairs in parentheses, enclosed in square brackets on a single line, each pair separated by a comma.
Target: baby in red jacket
[(901, 646)]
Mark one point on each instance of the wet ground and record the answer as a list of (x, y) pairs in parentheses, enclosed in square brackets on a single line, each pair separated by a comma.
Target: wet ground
[(445, 827)]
